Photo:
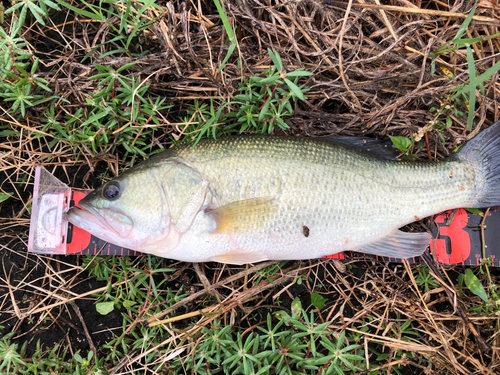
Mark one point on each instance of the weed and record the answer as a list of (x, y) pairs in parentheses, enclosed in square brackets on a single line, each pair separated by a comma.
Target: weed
[(229, 31), (119, 114), (277, 349), (270, 271), (131, 293), (466, 93), (18, 86), (424, 277), (262, 105), (10, 358), (39, 11), (490, 295)]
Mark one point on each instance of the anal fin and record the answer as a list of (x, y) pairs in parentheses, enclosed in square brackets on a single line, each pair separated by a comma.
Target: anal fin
[(398, 244), (240, 258)]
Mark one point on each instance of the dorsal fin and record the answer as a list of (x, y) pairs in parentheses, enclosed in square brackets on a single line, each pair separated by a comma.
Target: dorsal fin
[(380, 148)]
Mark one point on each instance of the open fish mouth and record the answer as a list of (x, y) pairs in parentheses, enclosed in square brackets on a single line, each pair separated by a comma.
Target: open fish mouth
[(90, 220)]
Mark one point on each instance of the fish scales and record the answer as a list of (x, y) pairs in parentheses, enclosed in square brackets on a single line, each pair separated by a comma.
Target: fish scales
[(250, 198), (343, 197)]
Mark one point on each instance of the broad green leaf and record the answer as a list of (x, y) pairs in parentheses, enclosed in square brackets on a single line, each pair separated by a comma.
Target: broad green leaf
[(229, 31), (296, 90), (112, 53), (104, 308), (267, 81), (36, 11), (4, 196), (147, 5), (317, 300), (264, 110), (230, 51), (14, 7), (476, 81), (51, 4), (467, 40), (475, 211), (299, 73), (128, 304), (4, 133), (94, 16), (474, 285), (461, 30), (401, 143), (296, 308), (321, 360), (276, 58), (463, 27), (225, 22), (95, 118), (282, 315)]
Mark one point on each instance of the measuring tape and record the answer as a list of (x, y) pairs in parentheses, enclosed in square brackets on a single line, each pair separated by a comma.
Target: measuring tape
[(457, 235)]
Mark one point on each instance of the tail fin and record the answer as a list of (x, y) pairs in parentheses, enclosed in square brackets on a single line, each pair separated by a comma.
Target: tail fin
[(483, 152)]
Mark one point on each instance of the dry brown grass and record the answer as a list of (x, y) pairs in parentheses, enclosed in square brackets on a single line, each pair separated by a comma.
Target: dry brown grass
[(371, 65)]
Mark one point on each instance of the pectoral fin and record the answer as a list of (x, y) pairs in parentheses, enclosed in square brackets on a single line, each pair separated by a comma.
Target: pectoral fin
[(399, 244), (240, 258), (242, 216)]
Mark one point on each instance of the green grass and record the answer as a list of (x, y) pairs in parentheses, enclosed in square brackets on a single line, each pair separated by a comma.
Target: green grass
[(121, 116), (467, 90), (261, 105), (462, 95)]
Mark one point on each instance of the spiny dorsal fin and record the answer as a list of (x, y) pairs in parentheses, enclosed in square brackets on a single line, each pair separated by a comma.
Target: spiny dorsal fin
[(381, 148)]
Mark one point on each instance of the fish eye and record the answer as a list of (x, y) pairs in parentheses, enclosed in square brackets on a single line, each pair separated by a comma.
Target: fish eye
[(111, 191)]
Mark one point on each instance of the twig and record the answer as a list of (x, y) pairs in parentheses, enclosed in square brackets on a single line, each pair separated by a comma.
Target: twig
[(341, 67), (427, 146), (452, 298), (192, 297), (87, 334), (403, 361), (208, 287), (441, 13), (483, 243)]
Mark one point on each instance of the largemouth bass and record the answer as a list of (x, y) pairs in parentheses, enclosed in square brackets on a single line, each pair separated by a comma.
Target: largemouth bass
[(247, 199)]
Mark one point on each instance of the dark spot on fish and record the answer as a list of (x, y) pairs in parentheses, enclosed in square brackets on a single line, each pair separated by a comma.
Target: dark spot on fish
[(305, 231)]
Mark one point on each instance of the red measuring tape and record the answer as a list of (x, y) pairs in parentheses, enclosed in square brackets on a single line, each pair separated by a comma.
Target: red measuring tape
[(456, 242), (457, 234)]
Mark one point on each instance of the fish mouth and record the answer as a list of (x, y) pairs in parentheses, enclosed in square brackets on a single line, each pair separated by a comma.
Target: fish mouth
[(89, 218)]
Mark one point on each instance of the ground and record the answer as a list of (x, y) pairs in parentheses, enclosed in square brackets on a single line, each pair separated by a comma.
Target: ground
[(91, 88)]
